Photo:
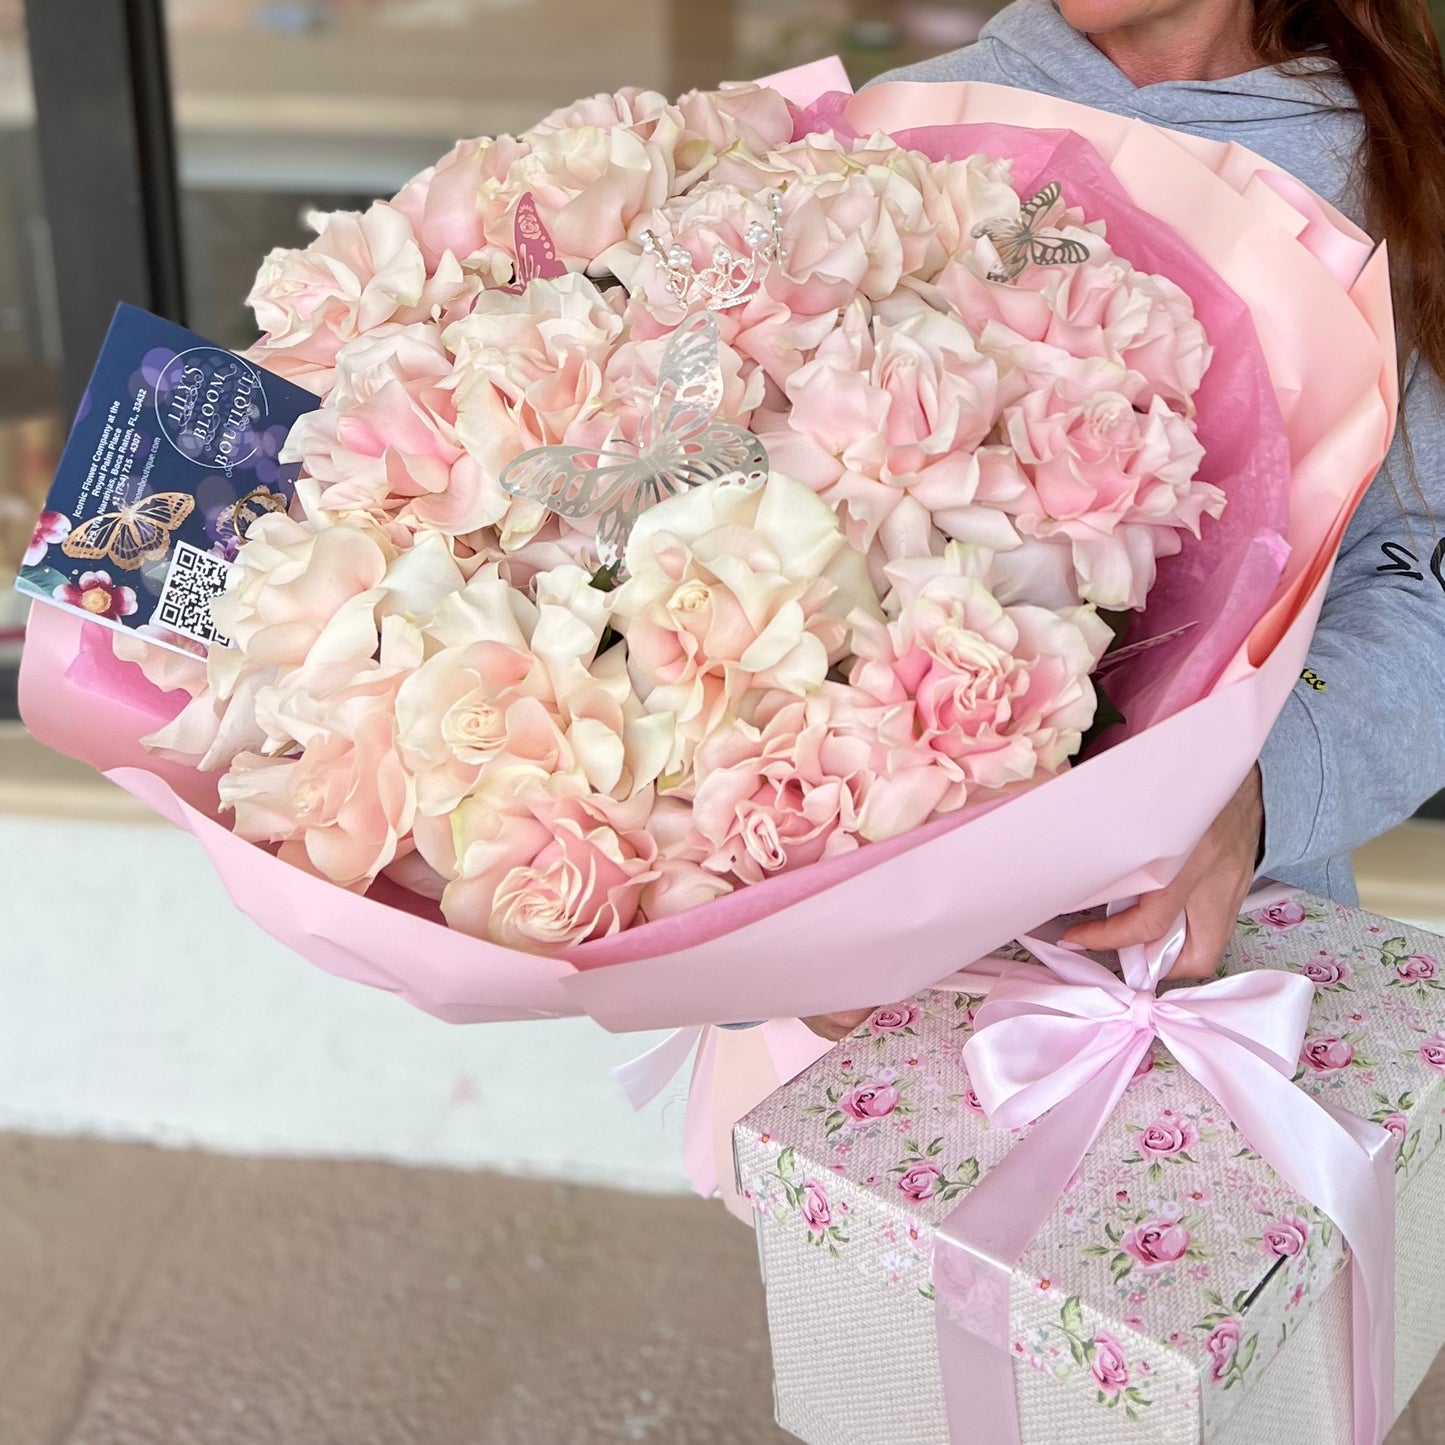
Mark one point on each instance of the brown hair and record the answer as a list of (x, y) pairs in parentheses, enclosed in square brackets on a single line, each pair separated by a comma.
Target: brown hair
[(1388, 53)]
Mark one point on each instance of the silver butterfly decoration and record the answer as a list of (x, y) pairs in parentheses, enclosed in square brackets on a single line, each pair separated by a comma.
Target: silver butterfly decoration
[(680, 444), (1019, 241)]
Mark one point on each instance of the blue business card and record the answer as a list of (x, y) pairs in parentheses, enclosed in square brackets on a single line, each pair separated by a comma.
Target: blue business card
[(174, 453)]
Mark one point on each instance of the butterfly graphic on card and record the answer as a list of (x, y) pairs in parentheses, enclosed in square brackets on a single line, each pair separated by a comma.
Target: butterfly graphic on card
[(139, 532), (535, 248), (1020, 241), (230, 525), (680, 444)]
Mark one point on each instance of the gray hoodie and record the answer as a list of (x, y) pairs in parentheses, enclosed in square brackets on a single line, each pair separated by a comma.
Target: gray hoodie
[(1361, 742)]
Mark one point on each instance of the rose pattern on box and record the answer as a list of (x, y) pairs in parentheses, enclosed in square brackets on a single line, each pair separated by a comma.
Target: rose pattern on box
[(1177, 1260)]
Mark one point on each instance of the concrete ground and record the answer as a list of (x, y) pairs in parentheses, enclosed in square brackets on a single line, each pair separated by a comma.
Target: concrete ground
[(177, 1298)]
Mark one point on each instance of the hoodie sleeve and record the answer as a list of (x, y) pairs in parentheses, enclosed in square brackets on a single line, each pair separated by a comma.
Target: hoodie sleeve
[(1361, 742)]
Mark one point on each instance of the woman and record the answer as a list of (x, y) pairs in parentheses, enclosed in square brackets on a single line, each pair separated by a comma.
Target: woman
[(1349, 96)]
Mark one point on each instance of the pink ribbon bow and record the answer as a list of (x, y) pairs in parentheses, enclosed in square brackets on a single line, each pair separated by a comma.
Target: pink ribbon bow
[(1058, 1041)]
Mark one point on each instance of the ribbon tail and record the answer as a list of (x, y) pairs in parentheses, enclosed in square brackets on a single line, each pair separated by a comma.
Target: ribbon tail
[(980, 1244), (698, 1158), (642, 1079), (1372, 1290), (1343, 1167)]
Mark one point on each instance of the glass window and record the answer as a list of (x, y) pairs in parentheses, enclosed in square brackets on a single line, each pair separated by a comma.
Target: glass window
[(30, 429), (285, 105)]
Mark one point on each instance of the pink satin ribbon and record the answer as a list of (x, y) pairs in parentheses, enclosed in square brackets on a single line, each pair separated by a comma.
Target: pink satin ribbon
[(1058, 1041)]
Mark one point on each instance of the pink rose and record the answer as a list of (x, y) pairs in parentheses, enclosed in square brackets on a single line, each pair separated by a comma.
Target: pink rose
[(1157, 1243), (306, 606), (817, 1211), (1399, 1128), (1170, 351), (1167, 1137), (1145, 1066), (872, 1101), (387, 441), (1286, 1237), (885, 424), (972, 1103), (855, 220), (1432, 1052), (1117, 484), (894, 1018), (754, 118), (778, 795), (292, 578), (1285, 915), (1222, 1343), (920, 1181), (362, 270), (466, 706), (51, 528), (682, 882), (957, 195), (1108, 1365), (532, 871), (988, 695), (1325, 972), (624, 412), (96, 594), (1143, 326), (1418, 968), (631, 107), (1327, 1054), (453, 205)]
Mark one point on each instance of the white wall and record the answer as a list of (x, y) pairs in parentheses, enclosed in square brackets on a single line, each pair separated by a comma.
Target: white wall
[(136, 1002)]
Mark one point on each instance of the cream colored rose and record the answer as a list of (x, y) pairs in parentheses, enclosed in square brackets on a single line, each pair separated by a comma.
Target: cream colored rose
[(730, 591), (340, 802)]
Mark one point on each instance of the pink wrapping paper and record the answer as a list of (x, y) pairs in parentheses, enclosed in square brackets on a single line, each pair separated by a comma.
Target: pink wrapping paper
[(894, 918)]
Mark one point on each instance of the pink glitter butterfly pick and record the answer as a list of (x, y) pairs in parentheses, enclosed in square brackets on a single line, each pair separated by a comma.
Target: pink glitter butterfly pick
[(536, 250)]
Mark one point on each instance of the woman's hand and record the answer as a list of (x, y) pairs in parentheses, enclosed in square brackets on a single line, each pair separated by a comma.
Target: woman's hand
[(1209, 891), (835, 1027)]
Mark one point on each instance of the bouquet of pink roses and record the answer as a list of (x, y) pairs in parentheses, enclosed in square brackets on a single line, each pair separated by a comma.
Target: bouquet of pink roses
[(715, 522)]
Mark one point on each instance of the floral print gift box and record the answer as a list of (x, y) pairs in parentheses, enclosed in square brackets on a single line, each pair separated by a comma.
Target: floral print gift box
[(1179, 1292)]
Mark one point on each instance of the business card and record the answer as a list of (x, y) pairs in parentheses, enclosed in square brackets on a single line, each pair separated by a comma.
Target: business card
[(174, 454)]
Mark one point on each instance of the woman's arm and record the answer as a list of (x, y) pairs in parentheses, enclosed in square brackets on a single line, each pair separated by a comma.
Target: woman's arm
[(1361, 742)]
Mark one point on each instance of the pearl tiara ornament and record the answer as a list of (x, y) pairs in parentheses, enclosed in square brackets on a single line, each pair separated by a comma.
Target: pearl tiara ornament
[(730, 278)]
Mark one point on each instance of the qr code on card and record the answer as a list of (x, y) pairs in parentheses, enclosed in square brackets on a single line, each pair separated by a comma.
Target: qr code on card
[(193, 581)]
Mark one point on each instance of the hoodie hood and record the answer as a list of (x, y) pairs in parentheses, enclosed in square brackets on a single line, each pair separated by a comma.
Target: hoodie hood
[(1035, 45), (1306, 122)]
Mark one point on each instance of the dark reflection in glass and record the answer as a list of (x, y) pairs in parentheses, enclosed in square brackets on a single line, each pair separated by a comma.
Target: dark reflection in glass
[(29, 349)]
